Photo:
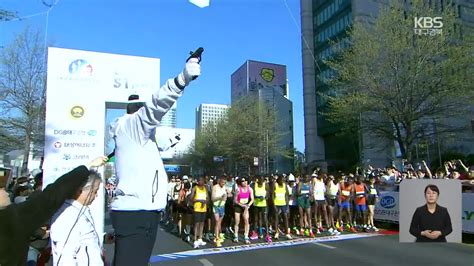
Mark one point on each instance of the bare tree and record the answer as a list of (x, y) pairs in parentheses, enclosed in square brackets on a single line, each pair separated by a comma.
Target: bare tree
[(22, 93)]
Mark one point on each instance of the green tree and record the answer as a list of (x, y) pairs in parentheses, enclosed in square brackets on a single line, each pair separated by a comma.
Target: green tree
[(399, 85), (22, 93), (247, 132)]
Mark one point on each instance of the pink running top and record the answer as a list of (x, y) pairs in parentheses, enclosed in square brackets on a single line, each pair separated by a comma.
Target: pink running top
[(243, 197)]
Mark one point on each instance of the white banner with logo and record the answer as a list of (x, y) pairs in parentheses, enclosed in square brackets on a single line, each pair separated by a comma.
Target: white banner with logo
[(387, 209), (80, 86), (468, 212)]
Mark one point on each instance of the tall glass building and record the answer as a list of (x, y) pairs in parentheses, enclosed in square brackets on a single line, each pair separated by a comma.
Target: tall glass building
[(324, 21)]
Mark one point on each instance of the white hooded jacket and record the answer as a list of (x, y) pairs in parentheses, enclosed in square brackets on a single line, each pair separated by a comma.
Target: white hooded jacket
[(142, 180)]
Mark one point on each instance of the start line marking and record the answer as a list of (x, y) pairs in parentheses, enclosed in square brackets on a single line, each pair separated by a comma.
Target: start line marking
[(294, 242)]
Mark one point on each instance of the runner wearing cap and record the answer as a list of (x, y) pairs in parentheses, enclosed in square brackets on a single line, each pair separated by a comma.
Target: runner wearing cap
[(304, 206), (280, 200), (243, 200), (261, 194)]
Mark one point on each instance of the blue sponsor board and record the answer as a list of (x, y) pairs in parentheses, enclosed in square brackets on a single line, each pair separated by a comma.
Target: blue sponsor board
[(172, 168), (388, 202)]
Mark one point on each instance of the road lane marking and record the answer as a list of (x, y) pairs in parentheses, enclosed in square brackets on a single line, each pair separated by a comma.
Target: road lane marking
[(206, 262), (279, 244), (324, 245)]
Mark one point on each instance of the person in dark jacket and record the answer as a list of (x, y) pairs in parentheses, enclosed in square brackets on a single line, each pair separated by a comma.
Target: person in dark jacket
[(18, 222), (431, 222)]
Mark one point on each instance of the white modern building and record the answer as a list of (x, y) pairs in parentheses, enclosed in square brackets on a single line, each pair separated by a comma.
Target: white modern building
[(209, 114)]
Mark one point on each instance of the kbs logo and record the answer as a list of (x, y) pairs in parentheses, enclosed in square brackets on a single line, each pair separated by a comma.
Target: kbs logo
[(388, 202), (428, 26)]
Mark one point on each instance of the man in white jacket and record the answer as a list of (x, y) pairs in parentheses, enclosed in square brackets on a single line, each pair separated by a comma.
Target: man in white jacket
[(142, 181), (74, 240)]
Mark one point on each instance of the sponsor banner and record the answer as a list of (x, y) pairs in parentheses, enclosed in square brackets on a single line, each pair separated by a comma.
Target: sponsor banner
[(294, 242), (468, 212), (80, 84), (387, 207)]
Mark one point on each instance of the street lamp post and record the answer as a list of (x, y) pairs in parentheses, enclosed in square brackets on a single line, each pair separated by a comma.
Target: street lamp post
[(266, 140)]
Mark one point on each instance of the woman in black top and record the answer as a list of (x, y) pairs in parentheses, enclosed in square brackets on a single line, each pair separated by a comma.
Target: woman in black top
[(431, 222)]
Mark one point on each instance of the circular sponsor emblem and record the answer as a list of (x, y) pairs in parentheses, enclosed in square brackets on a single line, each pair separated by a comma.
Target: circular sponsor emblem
[(57, 145), (387, 202), (77, 111)]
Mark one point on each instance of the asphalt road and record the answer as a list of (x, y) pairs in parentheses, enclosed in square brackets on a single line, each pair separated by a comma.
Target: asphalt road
[(369, 250)]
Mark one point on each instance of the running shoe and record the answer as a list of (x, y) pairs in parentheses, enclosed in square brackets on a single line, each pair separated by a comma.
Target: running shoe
[(295, 229), (288, 236), (219, 243), (201, 243), (375, 229), (306, 232), (268, 239), (246, 240), (330, 230), (311, 234), (277, 235), (254, 235), (353, 230), (236, 239), (196, 244), (222, 237)]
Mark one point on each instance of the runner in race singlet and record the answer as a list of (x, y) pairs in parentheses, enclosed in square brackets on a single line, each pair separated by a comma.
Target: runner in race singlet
[(293, 204), (280, 200), (373, 195), (360, 203), (304, 207), (243, 200), (200, 197), (332, 188), (219, 197), (346, 193), (261, 191), (319, 191)]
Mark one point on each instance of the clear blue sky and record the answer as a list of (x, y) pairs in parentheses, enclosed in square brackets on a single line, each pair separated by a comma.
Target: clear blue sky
[(231, 32)]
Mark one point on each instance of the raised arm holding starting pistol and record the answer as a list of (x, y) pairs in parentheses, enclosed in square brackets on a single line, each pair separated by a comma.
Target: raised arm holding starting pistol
[(142, 180)]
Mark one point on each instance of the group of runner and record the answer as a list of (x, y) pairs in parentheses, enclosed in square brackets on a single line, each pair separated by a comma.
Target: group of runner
[(270, 207)]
